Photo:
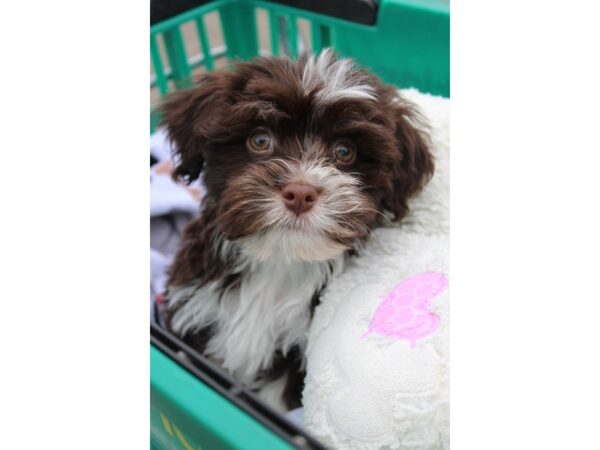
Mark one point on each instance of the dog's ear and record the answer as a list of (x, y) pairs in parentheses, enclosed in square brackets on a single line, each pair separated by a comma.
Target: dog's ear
[(187, 115), (415, 166)]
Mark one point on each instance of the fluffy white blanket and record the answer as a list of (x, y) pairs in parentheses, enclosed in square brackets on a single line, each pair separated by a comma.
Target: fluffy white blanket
[(378, 351)]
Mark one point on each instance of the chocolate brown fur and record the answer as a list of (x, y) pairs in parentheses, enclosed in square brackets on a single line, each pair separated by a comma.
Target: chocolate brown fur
[(306, 117)]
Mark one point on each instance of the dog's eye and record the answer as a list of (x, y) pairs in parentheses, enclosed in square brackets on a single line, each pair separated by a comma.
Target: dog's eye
[(260, 142), (344, 154)]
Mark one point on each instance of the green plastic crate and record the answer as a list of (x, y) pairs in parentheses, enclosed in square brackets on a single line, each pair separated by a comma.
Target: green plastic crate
[(409, 46), (193, 405)]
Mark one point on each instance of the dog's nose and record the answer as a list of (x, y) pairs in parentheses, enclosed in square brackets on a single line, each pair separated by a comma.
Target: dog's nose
[(299, 198)]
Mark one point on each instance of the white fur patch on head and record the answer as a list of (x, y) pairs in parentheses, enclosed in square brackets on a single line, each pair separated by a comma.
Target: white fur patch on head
[(334, 79)]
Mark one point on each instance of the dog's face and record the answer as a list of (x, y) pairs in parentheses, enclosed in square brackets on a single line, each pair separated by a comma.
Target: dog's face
[(298, 158)]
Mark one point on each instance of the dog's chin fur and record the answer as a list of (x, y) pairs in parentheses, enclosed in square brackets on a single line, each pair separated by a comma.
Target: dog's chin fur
[(249, 270), (288, 246)]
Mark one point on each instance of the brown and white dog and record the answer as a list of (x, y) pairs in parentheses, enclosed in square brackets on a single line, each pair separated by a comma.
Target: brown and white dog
[(300, 159)]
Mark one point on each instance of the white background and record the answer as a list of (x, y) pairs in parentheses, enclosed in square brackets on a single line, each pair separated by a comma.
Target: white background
[(525, 225)]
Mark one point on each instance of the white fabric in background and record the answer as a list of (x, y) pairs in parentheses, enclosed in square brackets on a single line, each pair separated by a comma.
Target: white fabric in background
[(171, 207), (167, 197), (160, 147)]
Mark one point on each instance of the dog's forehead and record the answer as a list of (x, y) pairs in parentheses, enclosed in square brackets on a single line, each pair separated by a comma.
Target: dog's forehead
[(333, 79), (311, 84)]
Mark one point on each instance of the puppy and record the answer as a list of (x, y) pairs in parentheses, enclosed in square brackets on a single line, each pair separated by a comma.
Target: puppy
[(300, 160)]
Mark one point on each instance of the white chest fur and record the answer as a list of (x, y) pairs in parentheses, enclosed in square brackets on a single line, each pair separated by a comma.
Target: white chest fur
[(268, 311)]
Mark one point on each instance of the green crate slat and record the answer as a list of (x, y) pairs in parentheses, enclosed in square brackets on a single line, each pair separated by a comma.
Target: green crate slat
[(319, 37), (238, 21), (292, 32), (159, 70), (185, 413), (274, 32), (178, 60), (204, 44)]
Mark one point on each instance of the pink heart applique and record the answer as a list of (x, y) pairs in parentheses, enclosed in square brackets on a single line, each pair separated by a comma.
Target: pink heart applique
[(404, 312)]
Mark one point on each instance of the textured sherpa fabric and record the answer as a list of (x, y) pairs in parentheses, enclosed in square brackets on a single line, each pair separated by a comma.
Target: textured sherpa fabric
[(378, 392)]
